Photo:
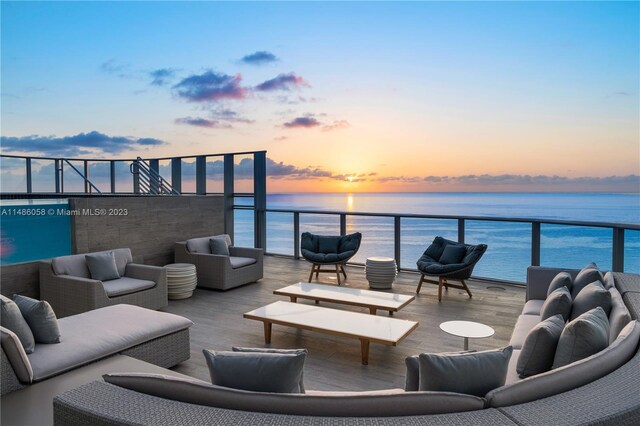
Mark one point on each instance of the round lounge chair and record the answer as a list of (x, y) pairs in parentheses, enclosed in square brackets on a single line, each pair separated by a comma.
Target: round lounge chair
[(329, 250), (449, 261)]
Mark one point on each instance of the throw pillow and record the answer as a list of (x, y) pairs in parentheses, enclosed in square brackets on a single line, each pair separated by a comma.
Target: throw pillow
[(276, 351), (40, 317), (539, 347), (12, 319), (328, 245), (219, 245), (102, 266), (563, 279), (261, 372), (584, 336), (435, 250), (474, 373), (558, 302), (586, 276), (591, 296), (452, 253)]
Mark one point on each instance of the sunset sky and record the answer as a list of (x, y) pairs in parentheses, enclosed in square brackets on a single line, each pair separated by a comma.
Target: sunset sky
[(347, 96)]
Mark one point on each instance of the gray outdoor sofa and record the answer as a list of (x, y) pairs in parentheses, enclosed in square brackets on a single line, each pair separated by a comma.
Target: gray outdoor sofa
[(244, 265), (601, 389), (65, 282)]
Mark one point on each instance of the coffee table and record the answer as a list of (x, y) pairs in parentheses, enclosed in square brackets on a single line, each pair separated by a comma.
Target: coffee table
[(366, 328), (373, 300), (467, 329)]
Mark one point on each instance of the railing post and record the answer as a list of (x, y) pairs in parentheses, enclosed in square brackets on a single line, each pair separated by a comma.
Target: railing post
[(28, 172), (343, 224), (136, 177), (296, 235), (617, 262), (176, 174), (201, 175), (112, 175), (57, 165), (461, 231), (396, 240), (228, 194), (535, 243), (154, 185), (87, 188), (260, 198)]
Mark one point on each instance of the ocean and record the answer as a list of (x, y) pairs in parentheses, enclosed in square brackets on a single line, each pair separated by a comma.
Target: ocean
[(509, 251)]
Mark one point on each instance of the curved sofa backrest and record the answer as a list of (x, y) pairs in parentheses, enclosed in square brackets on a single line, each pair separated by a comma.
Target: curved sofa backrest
[(76, 266)]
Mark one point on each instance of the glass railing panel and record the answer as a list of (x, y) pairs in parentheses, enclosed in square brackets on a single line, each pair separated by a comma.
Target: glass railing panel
[(280, 233), (13, 175), (243, 173), (215, 175), (632, 251), (573, 247), (43, 176), (243, 201), (377, 236), (124, 177), (243, 224), (509, 248), (417, 234), (100, 176), (188, 175), (73, 182)]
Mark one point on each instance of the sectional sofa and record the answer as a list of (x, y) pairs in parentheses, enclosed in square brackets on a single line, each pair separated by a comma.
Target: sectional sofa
[(601, 389)]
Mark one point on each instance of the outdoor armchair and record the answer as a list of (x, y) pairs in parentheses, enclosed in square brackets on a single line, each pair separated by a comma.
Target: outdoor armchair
[(329, 250)]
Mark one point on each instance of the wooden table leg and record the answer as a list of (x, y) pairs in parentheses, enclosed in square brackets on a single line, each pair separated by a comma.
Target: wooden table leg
[(372, 310), (267, 332), (294, 299), (364, 349), (390, 313)]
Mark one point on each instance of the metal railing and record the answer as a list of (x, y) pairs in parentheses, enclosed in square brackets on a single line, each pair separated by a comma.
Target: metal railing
[(146, 180)]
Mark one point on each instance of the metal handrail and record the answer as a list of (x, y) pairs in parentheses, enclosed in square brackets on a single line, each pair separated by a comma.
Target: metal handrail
[(131, 159), (151, 180), (83, 176)]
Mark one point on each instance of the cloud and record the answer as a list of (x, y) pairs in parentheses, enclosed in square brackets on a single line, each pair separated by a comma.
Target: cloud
[(336, 125), (113, 67), (280, 138), (259, 58), (282, 82), (202, 122), (229, 115), (211, 87), (306, 122), (162, 76), (80, 144)]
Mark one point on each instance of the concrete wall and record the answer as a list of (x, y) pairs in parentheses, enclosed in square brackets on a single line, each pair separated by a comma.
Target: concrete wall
[(149, 229)]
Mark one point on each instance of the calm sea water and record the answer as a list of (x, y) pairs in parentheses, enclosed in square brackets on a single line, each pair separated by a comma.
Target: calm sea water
[(509, 251)]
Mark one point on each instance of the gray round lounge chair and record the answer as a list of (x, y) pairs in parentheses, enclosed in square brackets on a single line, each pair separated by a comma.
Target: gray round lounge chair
[(329, 250)]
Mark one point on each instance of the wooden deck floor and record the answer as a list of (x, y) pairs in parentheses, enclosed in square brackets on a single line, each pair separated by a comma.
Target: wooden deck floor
[(333, 362)]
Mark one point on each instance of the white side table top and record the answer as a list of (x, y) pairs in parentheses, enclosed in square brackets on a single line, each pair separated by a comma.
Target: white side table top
[(381, 259), (468, 329), (180, 266)]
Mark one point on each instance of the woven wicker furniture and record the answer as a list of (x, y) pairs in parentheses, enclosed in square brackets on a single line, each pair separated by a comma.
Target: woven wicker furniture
[(329, 250), (244, 265), (65, 282)]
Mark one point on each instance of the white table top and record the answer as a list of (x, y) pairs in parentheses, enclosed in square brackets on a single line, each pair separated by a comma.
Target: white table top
[(470, 329), (335, 321), (348, 295)]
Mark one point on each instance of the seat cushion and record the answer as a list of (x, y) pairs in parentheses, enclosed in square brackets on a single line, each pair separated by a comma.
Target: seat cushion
[(41, 319), (563, 279), (96, 334), (76, 266), (326, 258), (539, 347), (239, 262), (591, 296), (125, 285), (521, 329), (584, 336), (11, 318), (532, 307), (102, 266), (558, 302)]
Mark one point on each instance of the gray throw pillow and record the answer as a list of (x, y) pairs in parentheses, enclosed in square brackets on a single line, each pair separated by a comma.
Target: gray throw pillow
[(276, 351), (539, 347), (563, 279), (12, 319), (40, 317), (591, 296), (260, 372), (452, 253), (586, 276), (102, 266), (558, 302), (219, 245), (474, 373), (584, 336)]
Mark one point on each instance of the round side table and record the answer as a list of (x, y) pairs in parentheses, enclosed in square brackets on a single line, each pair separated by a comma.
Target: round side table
[(381, 272), (468, 330), (181, 280)]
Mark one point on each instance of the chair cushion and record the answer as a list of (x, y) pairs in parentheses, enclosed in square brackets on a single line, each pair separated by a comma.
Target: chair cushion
[(76, 265), (473, 373), (328, 245), (524, 324), (276, 351), (125, 285), (219, 245), (539, 347), (563, 279), (591, 296), (16, 355), (97, 334), (102, 266), (582, 337), (11, 318), (532, 307), (558, 302), (256, 371), (434, 251), (436, 268), (326, 258), (239, 262), (199, 245), (350, 243), (619, 316), (586, 276), (40, 317), (452, 253)]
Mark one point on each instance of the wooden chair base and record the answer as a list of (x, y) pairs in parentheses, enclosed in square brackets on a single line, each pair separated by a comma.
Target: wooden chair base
[(316, 268), (443, 282)]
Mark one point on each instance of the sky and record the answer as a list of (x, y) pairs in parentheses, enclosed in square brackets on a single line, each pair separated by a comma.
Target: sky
[(345, 97)]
